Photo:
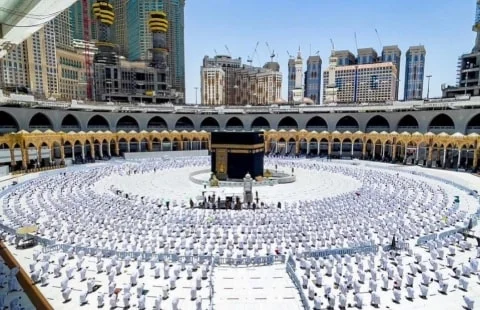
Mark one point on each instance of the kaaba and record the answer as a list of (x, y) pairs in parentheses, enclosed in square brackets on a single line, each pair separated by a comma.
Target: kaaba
[(234, 154)]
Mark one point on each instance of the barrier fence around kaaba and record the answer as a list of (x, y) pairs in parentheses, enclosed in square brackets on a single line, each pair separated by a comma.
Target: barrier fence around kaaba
[(296, 281)]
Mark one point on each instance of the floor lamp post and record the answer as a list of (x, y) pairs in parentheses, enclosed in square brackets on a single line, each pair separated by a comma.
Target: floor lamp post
[(428, 86)]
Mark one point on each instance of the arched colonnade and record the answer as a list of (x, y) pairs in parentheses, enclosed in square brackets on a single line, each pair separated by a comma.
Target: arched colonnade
[(437, 150)]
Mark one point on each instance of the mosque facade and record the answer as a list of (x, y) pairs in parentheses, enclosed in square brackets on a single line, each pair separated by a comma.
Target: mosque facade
[(431, 137)]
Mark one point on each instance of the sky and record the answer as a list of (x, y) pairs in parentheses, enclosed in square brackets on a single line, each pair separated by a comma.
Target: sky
[(442, 26)]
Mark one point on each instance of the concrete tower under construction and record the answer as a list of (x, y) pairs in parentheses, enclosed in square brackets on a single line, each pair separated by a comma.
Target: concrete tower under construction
[(103, 13), (119, 80), (468, 68)]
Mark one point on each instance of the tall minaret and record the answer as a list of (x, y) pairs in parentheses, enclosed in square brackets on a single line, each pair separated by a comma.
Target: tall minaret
[(331, 89), (298, 90), (476, 28)]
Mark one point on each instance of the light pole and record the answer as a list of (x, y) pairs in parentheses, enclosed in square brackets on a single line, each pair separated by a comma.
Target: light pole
[(428, 86), (196, 90)]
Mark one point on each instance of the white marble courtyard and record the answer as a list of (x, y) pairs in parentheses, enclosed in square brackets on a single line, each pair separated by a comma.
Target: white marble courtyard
[(331, 205)]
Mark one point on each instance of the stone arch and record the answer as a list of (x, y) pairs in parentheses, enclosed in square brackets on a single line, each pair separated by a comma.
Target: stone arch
[(234, 123), (156, 145), (68, 149), (175, 144), (123, 146), (377, 123), (157, 123), (184, 123), (77, 151), (473, 125), (323, 143), (346, 147), (316, 123), (260, 123), (89, 150), (357, 147), (144, 145), (335, 146), (40, 121), (167, 144), (313, 149), (133, 145), (105, 148), (97, 147), (8, 123), (209, 124), (98, 122), (70, 123), (347, 123), (441, 123), (407, 123), (112, 146), (127, 123), (287, 123)]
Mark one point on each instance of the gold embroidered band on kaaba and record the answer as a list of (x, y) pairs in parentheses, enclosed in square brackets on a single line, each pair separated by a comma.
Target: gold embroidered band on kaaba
[(238, 146)]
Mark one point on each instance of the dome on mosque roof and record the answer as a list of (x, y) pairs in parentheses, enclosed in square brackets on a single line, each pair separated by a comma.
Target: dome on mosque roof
[(308, 101)]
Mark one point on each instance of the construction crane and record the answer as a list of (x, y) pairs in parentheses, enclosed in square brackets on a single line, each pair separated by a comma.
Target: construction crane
[(250, 58), (272, 53), (86, 38), (378, 37), (356, 43), (333, 45), (289, 56), (228, 50)]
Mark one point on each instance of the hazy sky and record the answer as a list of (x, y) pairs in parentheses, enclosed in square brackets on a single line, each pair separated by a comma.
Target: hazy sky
[(443, 26)]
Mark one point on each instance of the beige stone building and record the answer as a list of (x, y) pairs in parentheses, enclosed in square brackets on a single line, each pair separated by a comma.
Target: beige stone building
[(32, 65), (225, 81), (213, 86), (360, 83), (71, 74), (258, 86)]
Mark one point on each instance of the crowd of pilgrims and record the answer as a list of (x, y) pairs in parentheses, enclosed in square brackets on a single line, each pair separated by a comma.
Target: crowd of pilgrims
[(67, 208)]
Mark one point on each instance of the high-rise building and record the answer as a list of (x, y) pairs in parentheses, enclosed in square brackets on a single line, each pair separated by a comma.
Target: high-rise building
[(42, 62), (414, 73), (393, 54), (63, 31), (14, 70), (140, 40), (313, 79), (468, 68), (258, 86), (291, 79), (213, 86), (119, 27), (361, 80), (223, 77), (229, 66), (297, 92), (366, 56), (117, 79), (71, 74), (76, 23)]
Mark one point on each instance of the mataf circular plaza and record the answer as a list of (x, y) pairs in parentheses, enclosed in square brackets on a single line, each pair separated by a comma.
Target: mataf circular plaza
[(356, 209)]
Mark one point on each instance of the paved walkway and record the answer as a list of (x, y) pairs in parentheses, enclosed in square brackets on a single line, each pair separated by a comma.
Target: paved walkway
[(247, 288)]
